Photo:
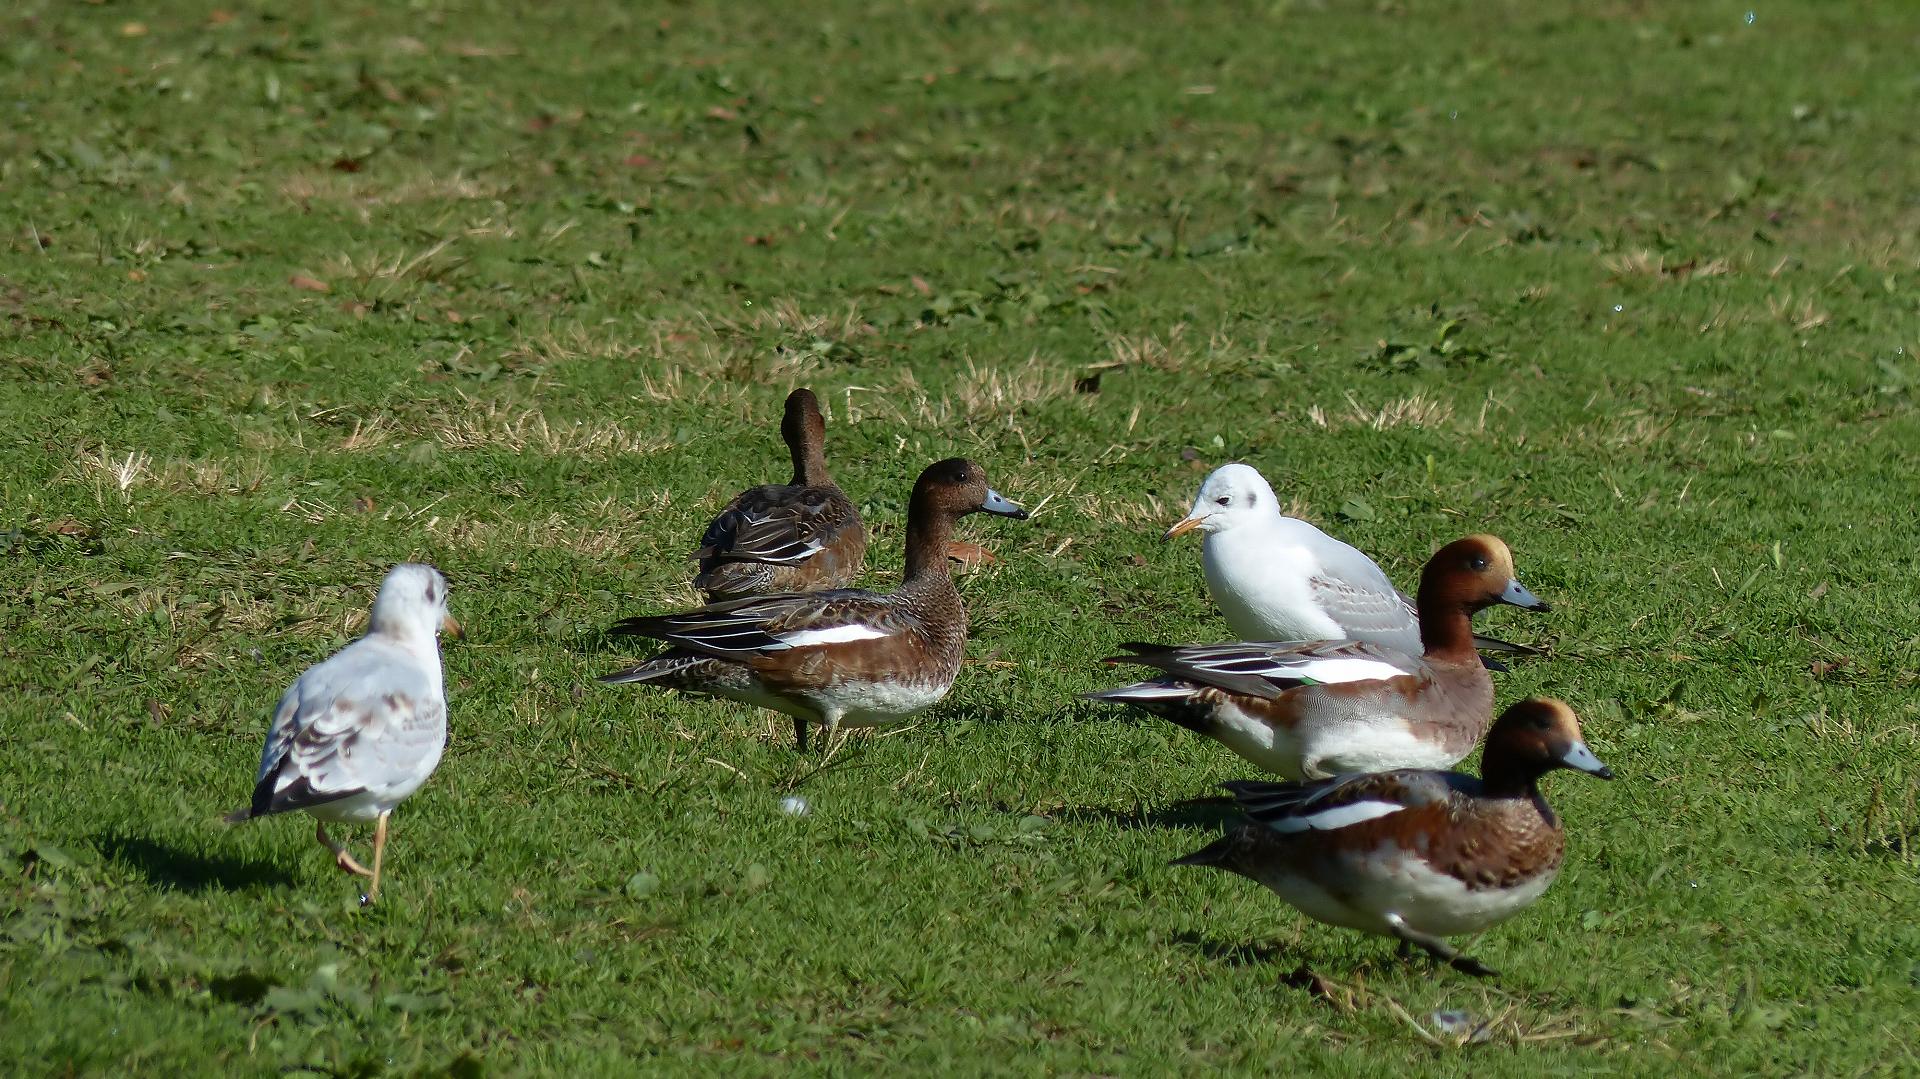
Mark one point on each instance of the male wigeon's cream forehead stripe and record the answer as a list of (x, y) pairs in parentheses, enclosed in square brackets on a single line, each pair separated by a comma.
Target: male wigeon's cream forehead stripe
[(1342, 816), (831, 635)]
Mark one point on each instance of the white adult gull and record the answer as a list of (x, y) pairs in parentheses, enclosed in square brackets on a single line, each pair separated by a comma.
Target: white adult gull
[(357, 734), (1276, 578)]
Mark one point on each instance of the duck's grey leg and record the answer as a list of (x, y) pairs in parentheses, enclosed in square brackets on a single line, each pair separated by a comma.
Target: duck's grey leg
[(1437, 948)]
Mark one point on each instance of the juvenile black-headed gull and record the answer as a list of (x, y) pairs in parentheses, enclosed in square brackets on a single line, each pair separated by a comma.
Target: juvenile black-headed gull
[(1276, 578), (357, 734), (1415, 855)]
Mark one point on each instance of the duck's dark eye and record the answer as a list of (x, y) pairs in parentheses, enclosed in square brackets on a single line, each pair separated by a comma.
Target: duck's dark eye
[(1478, 562), (1223, 500)]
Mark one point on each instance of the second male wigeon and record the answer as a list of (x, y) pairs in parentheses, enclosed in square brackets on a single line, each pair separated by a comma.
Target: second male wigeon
[(841, 658), (791, 537), (1415, 855), (1277, 578), (1319, 708)]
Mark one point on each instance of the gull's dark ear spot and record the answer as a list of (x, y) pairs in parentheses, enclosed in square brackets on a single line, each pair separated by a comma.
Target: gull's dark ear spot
[(433, 592)]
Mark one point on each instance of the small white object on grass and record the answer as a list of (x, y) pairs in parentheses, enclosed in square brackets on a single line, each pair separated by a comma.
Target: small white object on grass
[(794, 806)]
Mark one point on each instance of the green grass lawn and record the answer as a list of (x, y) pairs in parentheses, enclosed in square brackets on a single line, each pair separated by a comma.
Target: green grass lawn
[(292, 292)]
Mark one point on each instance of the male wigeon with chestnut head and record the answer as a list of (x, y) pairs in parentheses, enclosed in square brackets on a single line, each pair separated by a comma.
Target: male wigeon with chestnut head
[(841, 658), (1415, 855), (1314, 709)]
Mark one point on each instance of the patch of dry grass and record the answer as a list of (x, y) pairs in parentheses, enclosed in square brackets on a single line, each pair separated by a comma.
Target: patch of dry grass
[(1647, 263), (573, 343), (374, 191), (1163, 353), (499, 427), (982, 404), (118, 474), (470, 424), (1416, 410), (193, 616), (610, 528), (432, 262), (1798, 310), (706, 356)]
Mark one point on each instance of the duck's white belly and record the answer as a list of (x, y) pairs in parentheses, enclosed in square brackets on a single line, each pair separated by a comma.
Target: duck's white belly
[(1380, 746), (1274, 749), (878, 704), (1429, 902)]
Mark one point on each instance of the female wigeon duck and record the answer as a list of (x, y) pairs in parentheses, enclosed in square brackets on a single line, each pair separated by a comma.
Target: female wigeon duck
[(843, 658), (1277, 578), (357, 734), (793, 537), (1416, 855), (1319, 708)]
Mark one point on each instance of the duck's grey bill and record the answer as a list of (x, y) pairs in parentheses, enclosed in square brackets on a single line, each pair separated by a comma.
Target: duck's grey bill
[(1518, 595), (1579, 756), (998, 503)]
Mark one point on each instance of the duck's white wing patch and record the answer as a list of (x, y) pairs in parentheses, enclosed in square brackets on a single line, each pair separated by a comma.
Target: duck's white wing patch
[(831, 635), (1290, 664), (1336, 669), (1147, 691), (1341, 816)]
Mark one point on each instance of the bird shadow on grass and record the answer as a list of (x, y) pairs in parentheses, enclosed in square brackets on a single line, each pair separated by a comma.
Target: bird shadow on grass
[(1289, 962), (1234, 953), (170, 867), (1208, 814)]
